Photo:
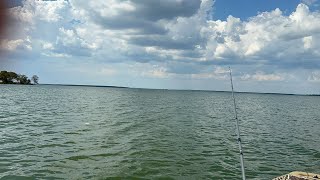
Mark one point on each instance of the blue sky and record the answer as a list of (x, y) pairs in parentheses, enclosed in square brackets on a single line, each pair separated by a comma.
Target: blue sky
[(272, 46), (245, 9)]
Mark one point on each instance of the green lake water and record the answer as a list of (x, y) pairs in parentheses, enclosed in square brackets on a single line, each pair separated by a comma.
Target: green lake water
[(99, 133)]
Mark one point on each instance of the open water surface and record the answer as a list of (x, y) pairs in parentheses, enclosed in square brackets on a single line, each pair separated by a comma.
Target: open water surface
[(99, 133)]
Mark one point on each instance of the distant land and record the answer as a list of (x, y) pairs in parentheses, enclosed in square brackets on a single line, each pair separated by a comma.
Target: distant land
[(83, 85), (8, 77), (123, 87)]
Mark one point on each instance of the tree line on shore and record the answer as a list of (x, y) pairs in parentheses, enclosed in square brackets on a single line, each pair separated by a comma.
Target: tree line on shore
[(7, 77)]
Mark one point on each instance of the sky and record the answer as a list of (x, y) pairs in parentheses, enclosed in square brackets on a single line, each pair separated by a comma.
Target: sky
[(271, 46)]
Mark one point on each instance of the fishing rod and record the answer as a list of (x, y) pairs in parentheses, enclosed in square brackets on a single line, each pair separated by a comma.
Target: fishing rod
[(237, 127)]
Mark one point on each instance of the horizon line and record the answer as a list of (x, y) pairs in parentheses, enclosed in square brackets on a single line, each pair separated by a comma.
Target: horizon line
[(126, 87)]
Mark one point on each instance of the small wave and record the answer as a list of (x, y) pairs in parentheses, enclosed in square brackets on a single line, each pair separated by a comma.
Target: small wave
[(77, 158)]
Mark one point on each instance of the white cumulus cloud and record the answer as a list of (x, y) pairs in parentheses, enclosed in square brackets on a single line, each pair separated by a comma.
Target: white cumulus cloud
[(176, 34)]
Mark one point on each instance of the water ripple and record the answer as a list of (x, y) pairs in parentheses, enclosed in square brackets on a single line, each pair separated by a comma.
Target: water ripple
[(58, 132)]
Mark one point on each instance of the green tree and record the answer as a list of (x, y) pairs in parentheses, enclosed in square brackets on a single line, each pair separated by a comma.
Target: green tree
[(4, 77), (23, 79), (11, 77), (14, 78), (35, 79), (8, 77)]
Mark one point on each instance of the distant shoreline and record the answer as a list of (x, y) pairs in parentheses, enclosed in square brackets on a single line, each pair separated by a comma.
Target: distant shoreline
[(83, 85), (124, 87)]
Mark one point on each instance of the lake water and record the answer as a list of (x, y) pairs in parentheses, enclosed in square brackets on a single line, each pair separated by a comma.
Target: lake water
[(98, 133)]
